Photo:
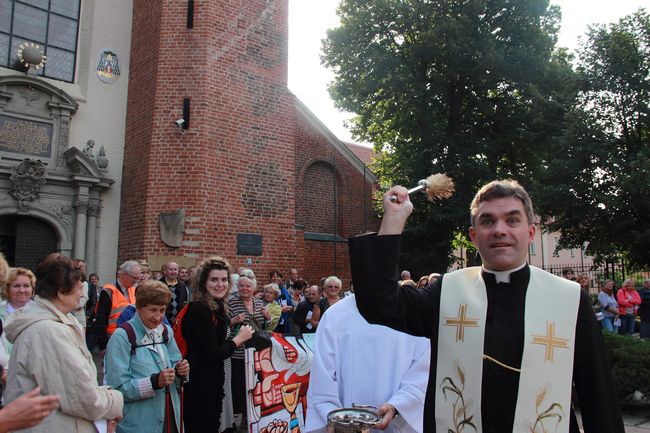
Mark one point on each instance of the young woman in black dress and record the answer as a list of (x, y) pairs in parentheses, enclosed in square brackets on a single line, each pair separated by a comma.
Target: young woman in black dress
[(205, 329)]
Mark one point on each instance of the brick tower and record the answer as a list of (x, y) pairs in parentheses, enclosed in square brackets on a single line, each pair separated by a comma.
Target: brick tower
[(233, 168)]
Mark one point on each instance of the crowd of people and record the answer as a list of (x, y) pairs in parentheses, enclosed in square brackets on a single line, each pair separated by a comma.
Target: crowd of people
[(121, 365), (47, 353), (622, 310), (164, 353)]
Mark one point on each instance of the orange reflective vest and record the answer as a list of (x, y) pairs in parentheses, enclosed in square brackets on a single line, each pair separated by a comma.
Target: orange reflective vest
[(118, 304)]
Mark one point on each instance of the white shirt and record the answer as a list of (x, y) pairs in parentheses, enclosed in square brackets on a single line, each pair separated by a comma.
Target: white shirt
[(356, 362)]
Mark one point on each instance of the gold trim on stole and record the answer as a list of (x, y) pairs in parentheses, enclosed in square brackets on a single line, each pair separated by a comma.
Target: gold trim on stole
[(546, 370)]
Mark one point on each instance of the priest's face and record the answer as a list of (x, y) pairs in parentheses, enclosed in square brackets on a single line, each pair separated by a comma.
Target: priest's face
[(502, 233)]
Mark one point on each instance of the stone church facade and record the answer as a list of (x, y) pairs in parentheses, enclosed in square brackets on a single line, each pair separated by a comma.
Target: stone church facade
[(251, 174)]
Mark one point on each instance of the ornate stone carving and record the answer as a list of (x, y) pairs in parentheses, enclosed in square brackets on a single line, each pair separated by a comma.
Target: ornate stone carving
[(64, 137), (32, 56), (101, 160), (62, 211), (80, 206), (88, 149), (94, 208), (172, 226), (29, 94), (27, 178)]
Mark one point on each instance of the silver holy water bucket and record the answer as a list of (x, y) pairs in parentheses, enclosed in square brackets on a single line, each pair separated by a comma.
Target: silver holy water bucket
[(355, 419)]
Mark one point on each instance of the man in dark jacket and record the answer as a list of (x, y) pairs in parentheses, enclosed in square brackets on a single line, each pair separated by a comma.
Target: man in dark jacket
[(180, 294), (507, 339)]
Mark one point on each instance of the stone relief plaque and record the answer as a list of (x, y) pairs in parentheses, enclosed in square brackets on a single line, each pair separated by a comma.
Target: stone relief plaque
[(27, 178), (172, 226), (26, 137)]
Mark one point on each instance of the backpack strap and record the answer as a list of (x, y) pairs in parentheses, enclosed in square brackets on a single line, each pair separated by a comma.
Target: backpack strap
[(130, 333), (165, 334)]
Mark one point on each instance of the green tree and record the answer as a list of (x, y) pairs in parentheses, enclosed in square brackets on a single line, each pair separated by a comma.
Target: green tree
[(466, 87), (597, 185)]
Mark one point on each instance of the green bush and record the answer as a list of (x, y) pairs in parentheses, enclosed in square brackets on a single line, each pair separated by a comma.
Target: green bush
[(630, 359)]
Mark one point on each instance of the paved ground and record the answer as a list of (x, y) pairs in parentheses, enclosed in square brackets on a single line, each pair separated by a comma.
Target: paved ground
[(636, 420)]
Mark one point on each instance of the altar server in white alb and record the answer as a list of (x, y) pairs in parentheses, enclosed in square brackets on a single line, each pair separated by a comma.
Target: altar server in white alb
[(359, 363), (508, 340)]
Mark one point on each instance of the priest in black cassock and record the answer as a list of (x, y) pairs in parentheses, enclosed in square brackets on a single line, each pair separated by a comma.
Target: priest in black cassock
[(508, 340)]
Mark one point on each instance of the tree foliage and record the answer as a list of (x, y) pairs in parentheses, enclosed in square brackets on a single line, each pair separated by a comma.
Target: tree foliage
[(466, 87), (597, 183)]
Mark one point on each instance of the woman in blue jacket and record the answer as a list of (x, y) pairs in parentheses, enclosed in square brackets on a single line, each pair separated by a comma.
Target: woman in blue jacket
[(285, 324), (144, 363)]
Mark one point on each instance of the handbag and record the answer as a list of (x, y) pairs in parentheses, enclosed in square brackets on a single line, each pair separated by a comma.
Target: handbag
[(261, 338)]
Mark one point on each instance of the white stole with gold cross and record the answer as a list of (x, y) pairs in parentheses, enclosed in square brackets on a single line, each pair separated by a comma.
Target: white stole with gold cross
[(544, 394)]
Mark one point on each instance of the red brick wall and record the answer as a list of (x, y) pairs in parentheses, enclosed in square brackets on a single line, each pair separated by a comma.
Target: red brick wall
[(232, 171), (323, 172), (239, 166), (321, 260), (318, 198), (139, 126)]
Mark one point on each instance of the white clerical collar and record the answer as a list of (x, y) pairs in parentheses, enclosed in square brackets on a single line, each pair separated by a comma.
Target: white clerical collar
[(503, 276)]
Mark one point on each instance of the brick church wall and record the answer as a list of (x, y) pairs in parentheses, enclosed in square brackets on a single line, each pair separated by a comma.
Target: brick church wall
[(238, 167), (232, 170), (332, 197), (139, 127)]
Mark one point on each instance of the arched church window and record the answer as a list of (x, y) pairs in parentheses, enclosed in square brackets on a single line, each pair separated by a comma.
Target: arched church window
[(50, 24), (318, 199)]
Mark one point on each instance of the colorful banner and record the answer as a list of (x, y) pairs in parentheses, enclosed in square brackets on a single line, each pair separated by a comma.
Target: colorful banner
[(277, 379)]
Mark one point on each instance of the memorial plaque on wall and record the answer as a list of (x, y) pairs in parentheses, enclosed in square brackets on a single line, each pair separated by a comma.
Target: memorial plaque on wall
[(249, 244), (26, 137)]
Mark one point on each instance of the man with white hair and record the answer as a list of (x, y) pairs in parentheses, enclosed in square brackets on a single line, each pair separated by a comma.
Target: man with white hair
[(113, 299), (178, 289)]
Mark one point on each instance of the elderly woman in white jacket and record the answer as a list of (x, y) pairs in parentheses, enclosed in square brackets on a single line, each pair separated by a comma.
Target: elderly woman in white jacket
[(50, 352)]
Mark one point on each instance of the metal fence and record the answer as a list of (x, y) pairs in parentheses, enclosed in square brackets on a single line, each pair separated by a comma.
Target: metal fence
[(598, 273)]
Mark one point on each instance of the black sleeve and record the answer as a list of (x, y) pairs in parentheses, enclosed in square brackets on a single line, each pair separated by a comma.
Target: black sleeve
[(592, 375), (323, 304), (101, 319), (200, 333), (374, 264), (300, 314), (185, 294), (92, 300)]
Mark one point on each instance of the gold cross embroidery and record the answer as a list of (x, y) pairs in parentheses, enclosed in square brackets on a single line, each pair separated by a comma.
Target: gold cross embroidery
[(550, 341), (461, 322)]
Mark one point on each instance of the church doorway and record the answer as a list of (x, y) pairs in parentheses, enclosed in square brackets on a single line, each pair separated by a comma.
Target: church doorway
[(24, 241)]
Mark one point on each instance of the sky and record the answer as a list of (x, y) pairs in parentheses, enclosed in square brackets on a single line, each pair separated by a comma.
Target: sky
[(310, 19)]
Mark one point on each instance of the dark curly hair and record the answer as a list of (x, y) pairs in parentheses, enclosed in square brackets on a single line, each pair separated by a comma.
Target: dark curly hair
[(200, 293)]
